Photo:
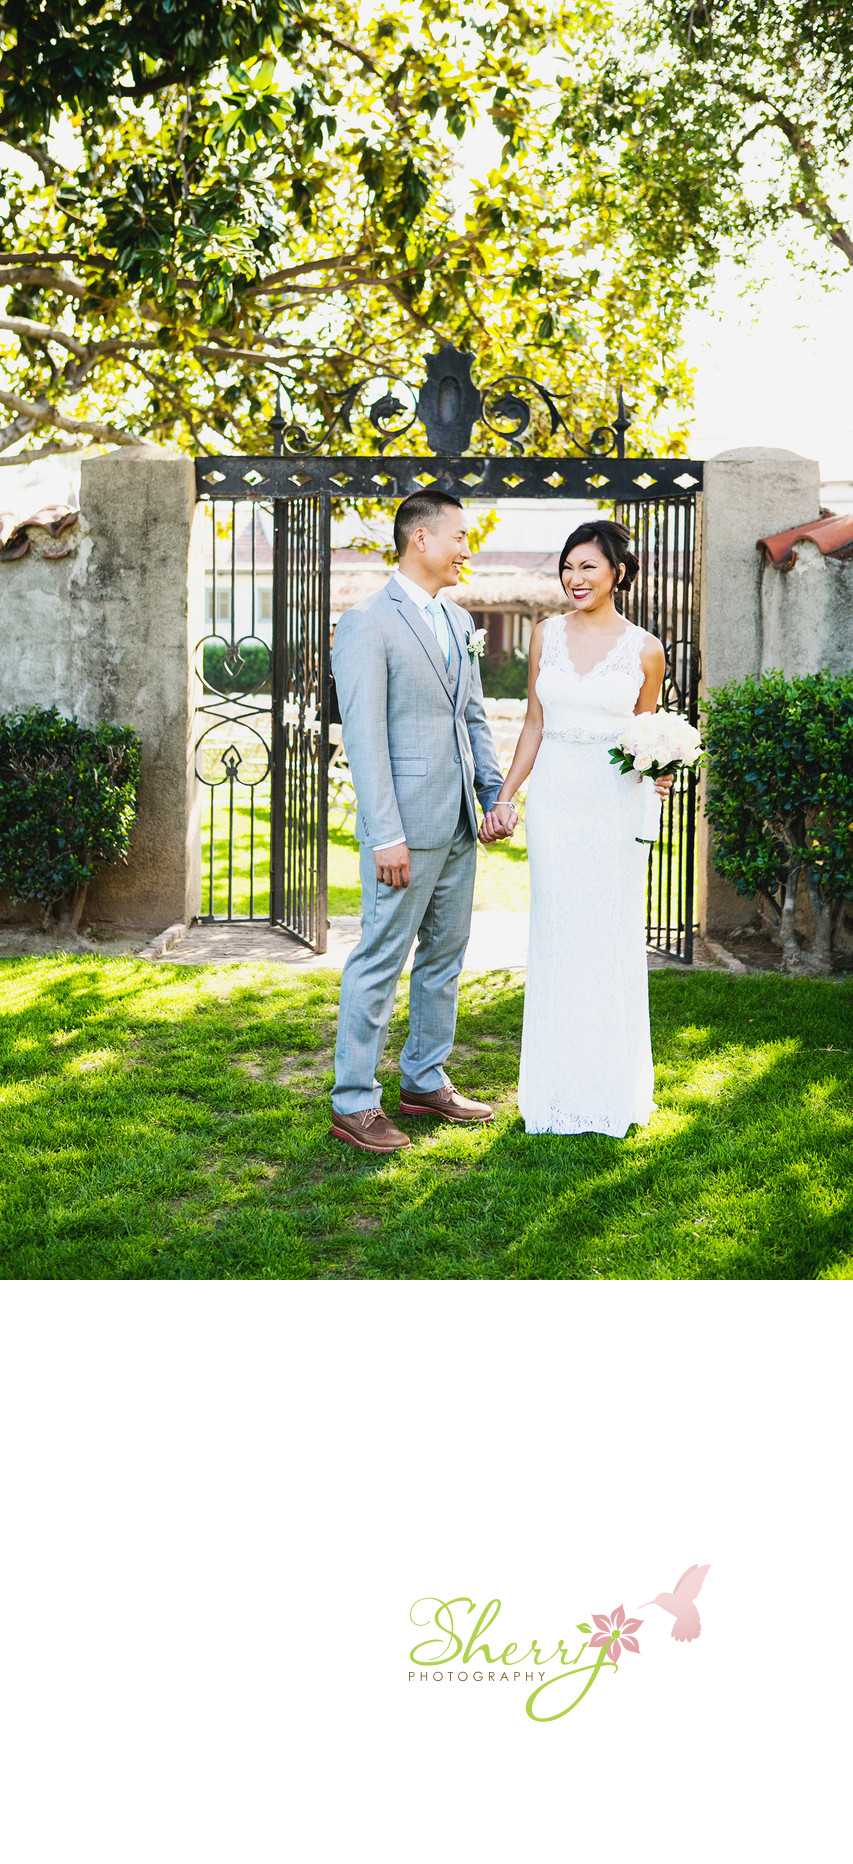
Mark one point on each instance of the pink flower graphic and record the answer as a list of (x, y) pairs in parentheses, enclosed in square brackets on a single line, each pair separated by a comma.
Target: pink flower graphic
[(615, 1632)]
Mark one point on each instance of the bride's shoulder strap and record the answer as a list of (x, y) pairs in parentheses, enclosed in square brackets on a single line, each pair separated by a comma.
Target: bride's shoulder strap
[(642, 638), (635, 643), (552, 640)]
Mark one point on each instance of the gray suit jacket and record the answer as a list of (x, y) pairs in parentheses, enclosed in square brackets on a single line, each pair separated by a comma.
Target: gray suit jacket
[(414, 729)]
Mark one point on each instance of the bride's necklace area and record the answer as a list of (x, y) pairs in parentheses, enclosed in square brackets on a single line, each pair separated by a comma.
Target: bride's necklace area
[(600, 640)]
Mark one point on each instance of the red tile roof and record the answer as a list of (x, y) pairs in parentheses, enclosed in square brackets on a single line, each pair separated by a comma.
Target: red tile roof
[(242, 546), (15, 536), (833, 536)]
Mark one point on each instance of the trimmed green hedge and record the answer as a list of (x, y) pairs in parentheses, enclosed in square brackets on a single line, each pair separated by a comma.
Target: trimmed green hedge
[(248, 669), (780, 798), (68, 802), (505, 678)]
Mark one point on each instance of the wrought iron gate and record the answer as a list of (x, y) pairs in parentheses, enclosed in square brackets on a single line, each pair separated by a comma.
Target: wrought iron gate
[(263, 752), (300, 717), (664, 599)]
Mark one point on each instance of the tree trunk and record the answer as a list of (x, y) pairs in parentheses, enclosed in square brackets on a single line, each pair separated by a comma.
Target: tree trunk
[(77, 905), (791, 950), (819, 957), (68, 922)]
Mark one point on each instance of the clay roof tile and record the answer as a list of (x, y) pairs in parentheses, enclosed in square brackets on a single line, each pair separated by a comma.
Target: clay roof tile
[(833, 536), (15, 536)]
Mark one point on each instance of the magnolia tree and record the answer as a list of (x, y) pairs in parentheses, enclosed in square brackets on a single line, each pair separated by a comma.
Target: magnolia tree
[(729, 128), (205, 201)]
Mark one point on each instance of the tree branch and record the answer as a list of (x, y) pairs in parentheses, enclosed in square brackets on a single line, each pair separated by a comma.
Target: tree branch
[(814, 206), (43, 333), (823, 218), (36, 275), (330, 38), (297, 271), (15, 430), (42, 411), (236, 355), (167, 389), (42, 160), (36, 453)]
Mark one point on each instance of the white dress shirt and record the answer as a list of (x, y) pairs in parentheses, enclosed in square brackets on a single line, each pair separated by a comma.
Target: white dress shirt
[(420, 598), (427, 604)]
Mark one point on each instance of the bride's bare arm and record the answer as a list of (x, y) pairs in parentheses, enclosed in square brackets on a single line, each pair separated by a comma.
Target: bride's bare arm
[(530, 738), (653, 663)]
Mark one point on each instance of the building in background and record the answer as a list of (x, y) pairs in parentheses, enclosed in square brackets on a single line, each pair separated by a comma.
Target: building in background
[(510, 585)]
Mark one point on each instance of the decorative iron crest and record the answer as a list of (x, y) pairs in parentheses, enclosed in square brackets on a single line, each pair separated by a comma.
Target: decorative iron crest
[(448, 406)]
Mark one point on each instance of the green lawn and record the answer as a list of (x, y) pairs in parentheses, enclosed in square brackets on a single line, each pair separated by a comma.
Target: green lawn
[(174, 1123), (502, 875)]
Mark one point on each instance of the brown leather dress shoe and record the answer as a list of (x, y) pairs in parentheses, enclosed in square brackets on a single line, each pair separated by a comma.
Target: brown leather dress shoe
[(369, 1130), (446, 1104)]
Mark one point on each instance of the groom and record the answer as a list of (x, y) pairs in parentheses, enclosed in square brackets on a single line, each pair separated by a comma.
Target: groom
[(418, 745)]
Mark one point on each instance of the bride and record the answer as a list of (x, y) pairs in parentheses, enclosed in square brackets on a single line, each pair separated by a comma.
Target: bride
[(586, 1056)]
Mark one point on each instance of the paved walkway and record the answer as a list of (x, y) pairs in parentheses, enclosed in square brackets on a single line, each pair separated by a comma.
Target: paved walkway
[(498, 942)]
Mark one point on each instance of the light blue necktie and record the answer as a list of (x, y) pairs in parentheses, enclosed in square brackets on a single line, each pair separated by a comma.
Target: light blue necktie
[(440, 628)]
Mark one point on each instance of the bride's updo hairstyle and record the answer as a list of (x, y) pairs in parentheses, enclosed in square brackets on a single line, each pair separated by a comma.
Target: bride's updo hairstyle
[(613, 541)]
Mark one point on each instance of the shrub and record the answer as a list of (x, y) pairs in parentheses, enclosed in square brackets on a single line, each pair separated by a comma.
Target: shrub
[(780, 797), (246, 670), (68, 802), (505, 678)]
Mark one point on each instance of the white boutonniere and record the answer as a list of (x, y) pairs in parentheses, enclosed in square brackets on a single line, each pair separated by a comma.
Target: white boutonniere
[(476, 644)]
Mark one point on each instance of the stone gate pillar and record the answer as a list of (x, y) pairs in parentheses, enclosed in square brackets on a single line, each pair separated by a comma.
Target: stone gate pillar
[(110, 632), (748, 493)]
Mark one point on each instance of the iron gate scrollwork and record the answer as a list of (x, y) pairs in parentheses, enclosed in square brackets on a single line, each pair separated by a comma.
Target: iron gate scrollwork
[(232, 753), (264, 750), (264, 668)]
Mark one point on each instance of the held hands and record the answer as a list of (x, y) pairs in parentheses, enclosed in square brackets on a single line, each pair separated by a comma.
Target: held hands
[(394, 865), (498, 824)]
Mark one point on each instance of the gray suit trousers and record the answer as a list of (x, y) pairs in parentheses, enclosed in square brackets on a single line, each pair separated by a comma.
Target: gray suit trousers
[(435, 908)]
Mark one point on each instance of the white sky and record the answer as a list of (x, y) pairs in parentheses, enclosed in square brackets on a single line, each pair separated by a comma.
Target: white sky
[(774, 371)]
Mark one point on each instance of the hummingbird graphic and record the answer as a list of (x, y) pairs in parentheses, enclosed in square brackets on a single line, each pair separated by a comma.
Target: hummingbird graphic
[(680, 1603)]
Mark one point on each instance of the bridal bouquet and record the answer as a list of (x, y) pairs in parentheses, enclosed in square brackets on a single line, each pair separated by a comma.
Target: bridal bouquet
[(654, 745)]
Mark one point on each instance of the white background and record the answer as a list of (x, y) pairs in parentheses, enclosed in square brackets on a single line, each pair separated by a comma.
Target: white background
[(221, 1501)]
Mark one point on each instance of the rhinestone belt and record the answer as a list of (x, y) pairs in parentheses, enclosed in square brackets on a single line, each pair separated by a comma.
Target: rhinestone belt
[(574, 735)]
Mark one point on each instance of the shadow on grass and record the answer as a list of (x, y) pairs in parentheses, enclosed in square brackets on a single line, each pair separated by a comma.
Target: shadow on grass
[(174, 1123)]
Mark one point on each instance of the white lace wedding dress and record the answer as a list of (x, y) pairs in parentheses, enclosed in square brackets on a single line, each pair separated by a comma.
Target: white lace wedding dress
[(586, 1056)]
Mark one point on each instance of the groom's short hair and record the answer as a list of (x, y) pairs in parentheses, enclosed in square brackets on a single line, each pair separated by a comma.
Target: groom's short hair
[(420, 508)]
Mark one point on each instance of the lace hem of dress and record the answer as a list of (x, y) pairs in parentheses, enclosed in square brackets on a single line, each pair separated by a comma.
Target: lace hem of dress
[(565, 1124), (574, 735)]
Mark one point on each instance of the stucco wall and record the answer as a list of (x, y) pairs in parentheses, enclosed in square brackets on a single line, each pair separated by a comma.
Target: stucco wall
[(807, 614), (108, 632), (748, 493)]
